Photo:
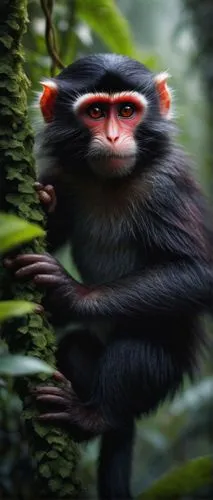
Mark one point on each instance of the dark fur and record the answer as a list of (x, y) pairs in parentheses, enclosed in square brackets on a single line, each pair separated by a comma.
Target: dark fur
[(143, 246)]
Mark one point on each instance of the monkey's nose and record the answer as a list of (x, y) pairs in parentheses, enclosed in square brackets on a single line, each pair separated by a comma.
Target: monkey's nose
[(112, 138)]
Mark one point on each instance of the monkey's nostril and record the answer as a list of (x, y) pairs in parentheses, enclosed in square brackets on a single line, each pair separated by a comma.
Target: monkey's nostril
[(112, 138)]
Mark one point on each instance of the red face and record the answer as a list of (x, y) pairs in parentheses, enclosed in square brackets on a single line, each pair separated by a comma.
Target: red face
[(111, 120)]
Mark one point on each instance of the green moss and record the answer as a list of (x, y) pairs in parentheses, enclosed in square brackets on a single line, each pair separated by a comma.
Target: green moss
[(53, 451)]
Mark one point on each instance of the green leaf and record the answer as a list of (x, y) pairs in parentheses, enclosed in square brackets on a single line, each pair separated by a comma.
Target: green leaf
[(6, 40), (107, 21), (14, 231), (52, 454), (10, 308), (55, 439), (55, 485), (39, 340), (64, 472), (182, 481), (22, 365), (40, 430), (45, 470)]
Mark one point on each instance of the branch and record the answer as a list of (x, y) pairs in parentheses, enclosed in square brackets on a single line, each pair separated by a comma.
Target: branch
[(50, 36)]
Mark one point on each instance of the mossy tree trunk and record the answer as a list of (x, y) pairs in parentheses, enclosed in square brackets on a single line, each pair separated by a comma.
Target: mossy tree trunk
[(54, 454)]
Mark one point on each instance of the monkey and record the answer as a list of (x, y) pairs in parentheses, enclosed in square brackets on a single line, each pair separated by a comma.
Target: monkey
[(119, 189)]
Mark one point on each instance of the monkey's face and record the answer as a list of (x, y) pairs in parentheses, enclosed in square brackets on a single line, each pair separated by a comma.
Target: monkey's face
[(112, 131), (111, 120)]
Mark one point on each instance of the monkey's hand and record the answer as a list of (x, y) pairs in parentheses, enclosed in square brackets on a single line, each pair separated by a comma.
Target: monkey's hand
[(45, 271), (67, 409), (47, 196)]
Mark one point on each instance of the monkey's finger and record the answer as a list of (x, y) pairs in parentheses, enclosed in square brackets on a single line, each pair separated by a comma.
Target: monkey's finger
[(49, 393), (26, 259), (50, 189), (51, 192), (61, 378), (44, 197), (39, 309), (49, 398), (63, 416), (33, 269), (48, 389), (38, 186), (48, 279)]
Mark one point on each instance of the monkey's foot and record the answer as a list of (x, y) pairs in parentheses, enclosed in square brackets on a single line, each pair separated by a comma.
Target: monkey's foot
[(46, 196), (62, 397), (68, 409)]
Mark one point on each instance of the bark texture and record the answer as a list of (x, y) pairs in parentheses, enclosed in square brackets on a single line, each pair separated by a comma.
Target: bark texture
[(54, 454)]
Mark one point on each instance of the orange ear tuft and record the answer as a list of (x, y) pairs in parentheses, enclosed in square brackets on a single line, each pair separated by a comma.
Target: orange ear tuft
[(164, 93), (47, 99)]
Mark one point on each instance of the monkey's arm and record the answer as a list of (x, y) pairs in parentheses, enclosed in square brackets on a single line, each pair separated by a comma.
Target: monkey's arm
[(175, 287), (179, 281), (58, 229), (172, 288), (58, 225)]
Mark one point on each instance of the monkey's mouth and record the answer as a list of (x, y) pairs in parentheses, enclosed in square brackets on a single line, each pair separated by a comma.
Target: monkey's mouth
[(113, 161)]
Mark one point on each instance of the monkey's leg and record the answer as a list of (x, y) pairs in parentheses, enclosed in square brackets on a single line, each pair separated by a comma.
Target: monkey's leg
[(78, 355), (136, 372), (109, 387), (77, 358), (135, 375)]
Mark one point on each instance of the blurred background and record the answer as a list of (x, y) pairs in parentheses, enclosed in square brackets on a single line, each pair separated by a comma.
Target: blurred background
[(177, 36)]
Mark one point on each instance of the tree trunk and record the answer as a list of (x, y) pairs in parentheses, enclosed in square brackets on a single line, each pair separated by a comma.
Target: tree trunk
[(54, 454)]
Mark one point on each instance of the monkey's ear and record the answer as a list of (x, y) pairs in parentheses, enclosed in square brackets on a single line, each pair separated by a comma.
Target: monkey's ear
[(164, 93), (47, 99)]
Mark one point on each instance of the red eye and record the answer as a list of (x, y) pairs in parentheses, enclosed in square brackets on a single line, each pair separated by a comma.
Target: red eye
[(127, 110), (95, 112)]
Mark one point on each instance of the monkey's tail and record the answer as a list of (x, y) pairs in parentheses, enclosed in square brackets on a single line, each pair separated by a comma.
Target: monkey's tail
[(115, 464)]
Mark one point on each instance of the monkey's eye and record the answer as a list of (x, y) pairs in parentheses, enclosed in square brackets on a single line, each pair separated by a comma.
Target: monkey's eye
[(95, 111), (127, 110)]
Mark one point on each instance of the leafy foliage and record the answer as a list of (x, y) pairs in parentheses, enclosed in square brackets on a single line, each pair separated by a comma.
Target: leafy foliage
[(105, 19), (14, 231), (77, 24), (11, 308), (184, 480), (22, 365)]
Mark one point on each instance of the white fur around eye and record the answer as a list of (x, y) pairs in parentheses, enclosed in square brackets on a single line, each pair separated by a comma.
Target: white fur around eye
[(81, 100)]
